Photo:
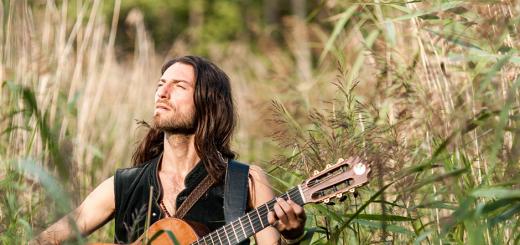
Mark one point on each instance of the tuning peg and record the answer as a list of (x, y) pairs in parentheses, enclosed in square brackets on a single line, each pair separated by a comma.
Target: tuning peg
[(328, 202), (340, 160), (355, 194), (343, 198), (327, 166), (339, 195), (352, 190), (316, 172)]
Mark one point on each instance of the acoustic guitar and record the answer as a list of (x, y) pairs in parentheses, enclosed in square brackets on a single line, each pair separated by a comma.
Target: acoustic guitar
[(332, 182)]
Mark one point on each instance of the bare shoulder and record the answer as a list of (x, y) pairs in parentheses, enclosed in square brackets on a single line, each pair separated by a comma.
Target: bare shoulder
[(257, 173), (102, 195), (260, 190), (97, 207), (107, 183)]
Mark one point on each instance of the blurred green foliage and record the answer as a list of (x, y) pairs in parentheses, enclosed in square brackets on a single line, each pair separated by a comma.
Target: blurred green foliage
[(209, 21)]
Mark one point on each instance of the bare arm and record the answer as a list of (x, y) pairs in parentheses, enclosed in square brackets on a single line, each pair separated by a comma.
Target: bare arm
[(94, 212), (260, 192), (288, 218)]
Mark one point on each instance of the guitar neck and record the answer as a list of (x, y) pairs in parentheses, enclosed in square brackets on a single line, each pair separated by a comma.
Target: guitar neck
[(249, 224)]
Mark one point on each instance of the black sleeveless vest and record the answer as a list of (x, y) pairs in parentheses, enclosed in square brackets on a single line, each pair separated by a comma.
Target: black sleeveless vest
[(132, 192)]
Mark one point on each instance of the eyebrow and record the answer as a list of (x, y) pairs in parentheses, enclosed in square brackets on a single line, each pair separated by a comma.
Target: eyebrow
[(175, 81)]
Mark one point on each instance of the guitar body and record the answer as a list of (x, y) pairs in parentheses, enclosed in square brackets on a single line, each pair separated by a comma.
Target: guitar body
[(184, 231)]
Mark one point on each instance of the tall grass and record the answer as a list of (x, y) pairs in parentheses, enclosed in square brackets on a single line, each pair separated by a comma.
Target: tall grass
[(425, 91), (59, 76), (429, 95)]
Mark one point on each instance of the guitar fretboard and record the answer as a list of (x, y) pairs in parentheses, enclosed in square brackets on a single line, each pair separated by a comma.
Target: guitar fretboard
[(249, 224)]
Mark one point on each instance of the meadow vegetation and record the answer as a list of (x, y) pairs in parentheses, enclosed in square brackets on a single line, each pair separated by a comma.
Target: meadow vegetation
[(427, 92)]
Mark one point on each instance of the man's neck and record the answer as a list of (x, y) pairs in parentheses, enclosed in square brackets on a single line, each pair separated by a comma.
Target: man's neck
[(179, 156)]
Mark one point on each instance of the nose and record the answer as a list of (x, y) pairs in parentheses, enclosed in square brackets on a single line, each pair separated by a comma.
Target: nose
[(163, 91)]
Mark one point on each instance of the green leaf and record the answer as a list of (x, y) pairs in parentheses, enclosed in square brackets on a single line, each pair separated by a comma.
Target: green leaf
[(328, 212), (443, 7), (345, 16), (464, 211), (505, 215), (496, 192), (381, 217), (52, 187), (361, 208), (169, 233), (499, 64), (422, 237), (435, 204), (280, 180), (435, 178), (388, 227), (389, 203)]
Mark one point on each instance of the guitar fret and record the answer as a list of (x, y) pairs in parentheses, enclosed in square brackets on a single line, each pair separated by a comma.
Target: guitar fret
[(266, 219), (234, 232), (218, 235), (300, 192), (252, 226), (211, 237), (257, 221), (225, 232), (260, 218), (242, 226)]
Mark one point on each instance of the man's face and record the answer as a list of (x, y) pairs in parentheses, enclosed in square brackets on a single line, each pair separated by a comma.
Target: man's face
[(174, 107)]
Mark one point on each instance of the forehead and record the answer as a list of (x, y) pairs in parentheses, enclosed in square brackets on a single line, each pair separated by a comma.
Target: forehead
[(179, 72)]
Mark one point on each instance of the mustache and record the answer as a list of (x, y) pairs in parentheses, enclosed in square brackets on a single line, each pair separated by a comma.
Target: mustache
[(164, 102)]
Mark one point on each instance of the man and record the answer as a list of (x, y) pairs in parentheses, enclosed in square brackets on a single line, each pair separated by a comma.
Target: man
[(193, 121)]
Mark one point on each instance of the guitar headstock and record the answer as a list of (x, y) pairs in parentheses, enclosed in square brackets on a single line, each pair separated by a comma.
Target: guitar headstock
[(335, 180)]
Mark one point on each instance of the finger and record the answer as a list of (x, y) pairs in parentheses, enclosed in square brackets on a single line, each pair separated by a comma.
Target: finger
[(287, 208), (280, 213), (271, 217), (298, 210)]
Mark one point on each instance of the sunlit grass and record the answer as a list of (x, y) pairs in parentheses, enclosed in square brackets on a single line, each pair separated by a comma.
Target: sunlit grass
[(425, 91)]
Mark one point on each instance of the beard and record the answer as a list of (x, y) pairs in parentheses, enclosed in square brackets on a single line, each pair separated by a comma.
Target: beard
[(175, 123)]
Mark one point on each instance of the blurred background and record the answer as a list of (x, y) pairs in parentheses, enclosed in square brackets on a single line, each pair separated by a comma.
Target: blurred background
[(426, 91)]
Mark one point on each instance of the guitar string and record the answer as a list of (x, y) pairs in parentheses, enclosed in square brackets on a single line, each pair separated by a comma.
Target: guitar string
[(218, 232), (292, 192), (255, 220)]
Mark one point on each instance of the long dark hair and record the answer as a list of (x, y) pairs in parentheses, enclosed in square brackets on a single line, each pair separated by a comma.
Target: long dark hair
[(215, 118)]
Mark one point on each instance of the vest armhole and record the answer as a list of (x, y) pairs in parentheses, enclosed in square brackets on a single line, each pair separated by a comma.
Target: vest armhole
[(117, 190)]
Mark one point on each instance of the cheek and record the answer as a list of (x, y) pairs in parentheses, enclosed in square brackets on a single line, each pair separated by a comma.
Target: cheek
[(188, 102)]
